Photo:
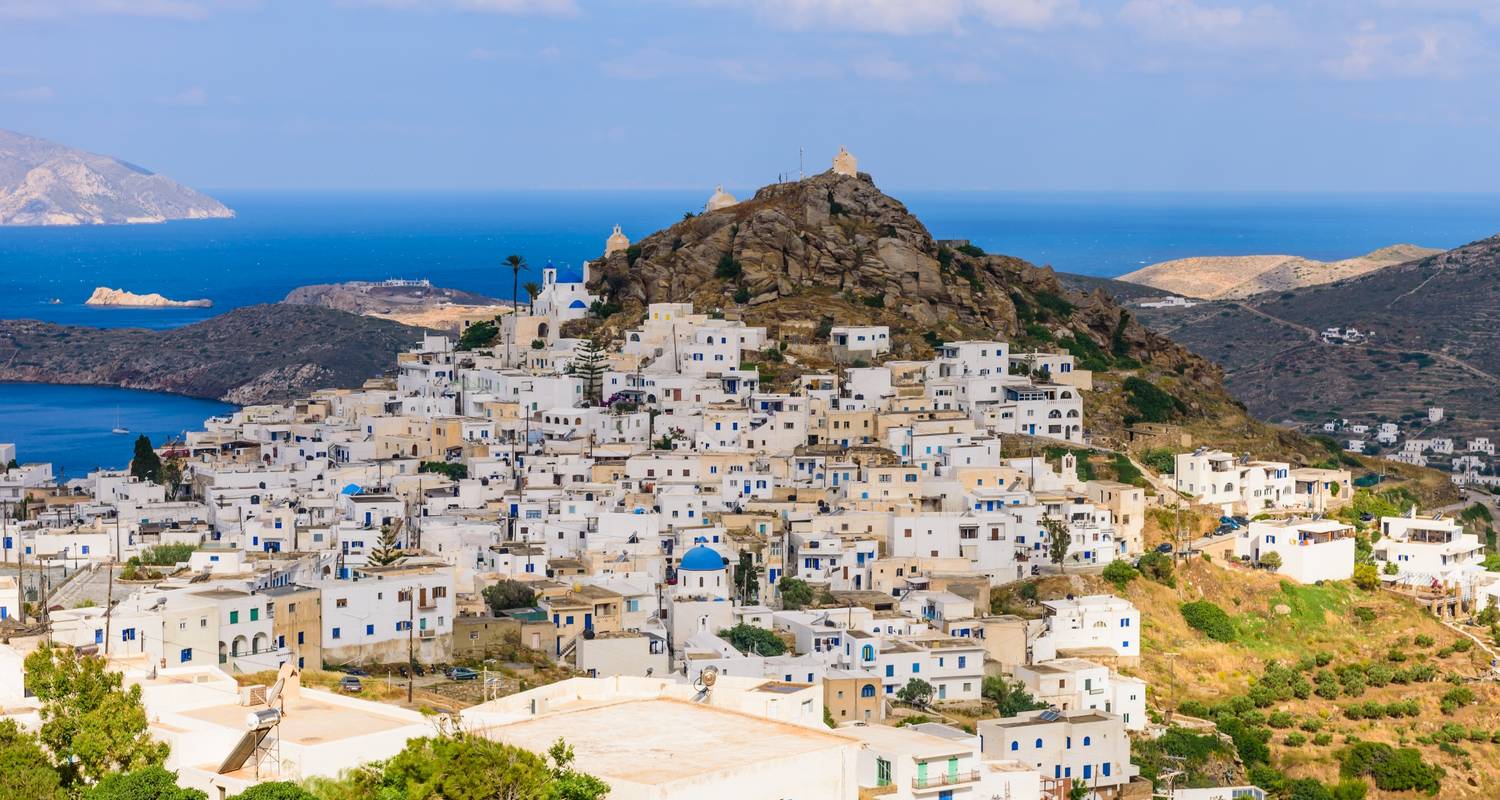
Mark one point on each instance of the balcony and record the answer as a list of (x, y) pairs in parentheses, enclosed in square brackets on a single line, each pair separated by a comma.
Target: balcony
[(945, 779)]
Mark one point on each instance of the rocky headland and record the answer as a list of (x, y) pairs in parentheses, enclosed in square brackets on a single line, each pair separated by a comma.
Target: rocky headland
[(45, 183), (255, 354)]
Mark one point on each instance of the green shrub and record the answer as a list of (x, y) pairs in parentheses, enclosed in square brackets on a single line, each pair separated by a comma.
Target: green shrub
[(728, 268), (1423, 640), (1295, 740), (167, 555), (1394, 770), (1161, 459), (1209, 619), (1151, 403), (1323, 739), (1157, 567), (1119, 573)]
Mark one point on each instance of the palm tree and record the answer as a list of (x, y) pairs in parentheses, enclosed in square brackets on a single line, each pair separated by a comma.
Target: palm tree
[(532, 290), (516, 264)]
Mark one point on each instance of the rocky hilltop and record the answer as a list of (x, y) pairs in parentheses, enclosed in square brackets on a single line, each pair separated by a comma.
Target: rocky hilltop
[(833, 248), (1234, 277), (249, 355), (1430, 336), (105, 296), (45, 183), (416, 303)]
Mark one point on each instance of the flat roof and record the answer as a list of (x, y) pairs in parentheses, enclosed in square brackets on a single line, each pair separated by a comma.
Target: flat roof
[(309, 721), (659, 741)]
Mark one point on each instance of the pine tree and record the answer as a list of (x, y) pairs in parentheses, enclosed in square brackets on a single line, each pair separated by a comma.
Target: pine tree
[(589, 361), (146, 465), (388, 551)]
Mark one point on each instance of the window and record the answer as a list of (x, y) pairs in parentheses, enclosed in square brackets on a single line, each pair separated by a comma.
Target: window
[(342, 602), (186, 655), (234, 618), (1014, 746), (299, 637), (1086, 741), (336, 633), (1038, 744), (370, 630), (882, 772), (254, 614), (868, 690)]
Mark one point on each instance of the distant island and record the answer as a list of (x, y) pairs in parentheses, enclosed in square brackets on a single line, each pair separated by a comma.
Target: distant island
[(1237, 277), (46, 183), (119, 298)]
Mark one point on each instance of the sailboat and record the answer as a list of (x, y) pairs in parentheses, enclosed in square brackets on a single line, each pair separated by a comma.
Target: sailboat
[(118, 428)]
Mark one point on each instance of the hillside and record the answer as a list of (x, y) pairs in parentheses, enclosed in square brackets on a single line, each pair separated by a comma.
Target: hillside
[(45, 183), (1434, 327), (249, 355), (799, 256), (1336, 648), (1226, 277)]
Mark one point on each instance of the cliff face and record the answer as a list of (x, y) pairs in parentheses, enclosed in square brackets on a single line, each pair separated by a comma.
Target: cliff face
[(834, 248), (45, 183), (250, 355)]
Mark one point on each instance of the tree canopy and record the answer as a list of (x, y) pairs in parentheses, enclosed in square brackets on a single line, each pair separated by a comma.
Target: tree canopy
[(506, 594), (90, 724), (145, 464), (748, 639), (795, 593)]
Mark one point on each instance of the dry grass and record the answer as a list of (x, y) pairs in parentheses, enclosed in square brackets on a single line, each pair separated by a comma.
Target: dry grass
[(1280, 620)]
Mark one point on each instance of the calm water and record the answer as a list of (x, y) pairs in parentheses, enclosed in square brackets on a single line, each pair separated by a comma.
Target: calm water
[(70, 425), (279, 242)]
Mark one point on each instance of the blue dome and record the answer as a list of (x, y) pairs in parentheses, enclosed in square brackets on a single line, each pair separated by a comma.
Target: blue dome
[(352, 488), (701, 559), (577, 304)]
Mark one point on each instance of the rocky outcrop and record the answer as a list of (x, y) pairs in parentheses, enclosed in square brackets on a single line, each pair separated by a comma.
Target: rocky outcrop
[(45, 183), (835, 248), (384, 297), (249, 355), (105, 296)]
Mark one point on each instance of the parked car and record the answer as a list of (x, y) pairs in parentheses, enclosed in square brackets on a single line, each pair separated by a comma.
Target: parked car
[(420, 670), (359, 672), (462, 674), (350, 683), (1164, 547)]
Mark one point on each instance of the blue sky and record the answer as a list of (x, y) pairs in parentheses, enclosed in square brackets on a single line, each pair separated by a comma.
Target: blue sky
[(1137, 95)]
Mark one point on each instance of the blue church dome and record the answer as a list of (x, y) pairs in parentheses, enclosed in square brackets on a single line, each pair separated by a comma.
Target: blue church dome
[(701, 559), (577, 304)]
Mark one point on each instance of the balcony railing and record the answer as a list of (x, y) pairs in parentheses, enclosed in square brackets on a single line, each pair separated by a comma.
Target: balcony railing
[(945, 779)]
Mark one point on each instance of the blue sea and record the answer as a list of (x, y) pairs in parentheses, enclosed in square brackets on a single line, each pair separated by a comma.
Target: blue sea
[(278, 242), (70, 425)]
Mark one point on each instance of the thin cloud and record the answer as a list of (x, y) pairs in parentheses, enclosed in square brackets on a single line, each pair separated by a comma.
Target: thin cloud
[(910, 17), (188, 98), (164, 9), (881, 68), (1205, 25), (32, 94), (554, 8), (1372, 52)]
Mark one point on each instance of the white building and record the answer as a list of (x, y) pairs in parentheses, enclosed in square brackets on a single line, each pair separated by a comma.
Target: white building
[(1310, 550)]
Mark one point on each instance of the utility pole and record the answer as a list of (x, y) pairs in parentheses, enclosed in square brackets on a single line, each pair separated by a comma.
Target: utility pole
[(20, 580), (109, 605), (411, 646)]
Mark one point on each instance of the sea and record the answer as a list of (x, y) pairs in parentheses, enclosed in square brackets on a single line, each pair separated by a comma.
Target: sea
[(279, 241)]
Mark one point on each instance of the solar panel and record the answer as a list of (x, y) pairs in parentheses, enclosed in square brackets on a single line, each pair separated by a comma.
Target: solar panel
[(1049, 715), (243, 750)]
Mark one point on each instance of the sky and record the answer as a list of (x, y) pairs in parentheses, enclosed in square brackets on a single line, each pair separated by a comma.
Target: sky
[(1035, 95)]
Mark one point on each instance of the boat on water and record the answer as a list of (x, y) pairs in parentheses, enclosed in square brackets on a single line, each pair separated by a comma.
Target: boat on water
[(118, 428)]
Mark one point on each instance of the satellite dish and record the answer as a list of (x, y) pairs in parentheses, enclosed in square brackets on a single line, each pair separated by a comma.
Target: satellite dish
[(709, 676), (275, 691)]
